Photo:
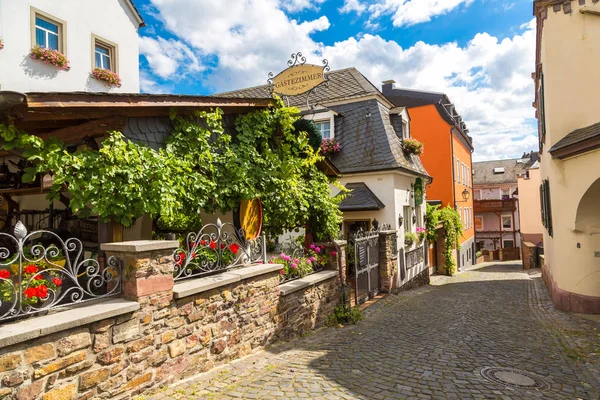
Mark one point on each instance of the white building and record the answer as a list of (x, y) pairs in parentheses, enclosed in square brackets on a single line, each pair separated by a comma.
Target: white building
[(89, 33)]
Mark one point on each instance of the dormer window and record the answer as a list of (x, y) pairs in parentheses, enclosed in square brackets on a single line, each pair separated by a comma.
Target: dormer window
[(324, 128), (498, 170), (405, 130)]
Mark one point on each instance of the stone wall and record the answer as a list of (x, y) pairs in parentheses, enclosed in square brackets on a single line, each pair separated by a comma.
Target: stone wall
[(529, 255), (172, 336), (421, 279), (388, 263)]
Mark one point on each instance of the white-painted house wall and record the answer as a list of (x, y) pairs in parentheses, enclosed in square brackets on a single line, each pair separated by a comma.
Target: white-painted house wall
[(112, 20)]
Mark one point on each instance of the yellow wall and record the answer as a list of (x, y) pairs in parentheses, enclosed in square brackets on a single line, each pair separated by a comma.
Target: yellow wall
[(570, 57), (530, 220)]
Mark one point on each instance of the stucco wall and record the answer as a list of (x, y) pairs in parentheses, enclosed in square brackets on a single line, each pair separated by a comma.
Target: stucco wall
[(112, 21), (571, 104), (530, 220)]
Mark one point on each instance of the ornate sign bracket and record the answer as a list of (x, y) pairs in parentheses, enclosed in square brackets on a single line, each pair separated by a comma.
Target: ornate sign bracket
[(299, 78)]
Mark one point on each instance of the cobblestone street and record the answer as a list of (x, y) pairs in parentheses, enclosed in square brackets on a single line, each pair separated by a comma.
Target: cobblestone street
[(432, 342)]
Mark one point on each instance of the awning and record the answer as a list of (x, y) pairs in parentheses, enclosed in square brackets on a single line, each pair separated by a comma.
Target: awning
[(361, 198)]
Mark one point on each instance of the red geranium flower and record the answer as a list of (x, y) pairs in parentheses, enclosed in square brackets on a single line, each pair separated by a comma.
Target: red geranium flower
[(194, 254), (213, 245), (234, 248), (203, 242), (30, 292), (31, 269), (4, 273), (42, 291), (57, 281), (181, 258), (222, 246), (38, 277)]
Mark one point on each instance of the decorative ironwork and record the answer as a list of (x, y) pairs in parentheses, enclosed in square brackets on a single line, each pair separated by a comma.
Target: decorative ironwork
[(216, 248), (365, 245), (414, 257), (39, 272)]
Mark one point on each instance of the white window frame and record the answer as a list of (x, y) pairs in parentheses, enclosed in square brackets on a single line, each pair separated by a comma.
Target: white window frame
[(325, 121), (457, 170), (405, 129), (62, 28), (511, 223), (327, 116)]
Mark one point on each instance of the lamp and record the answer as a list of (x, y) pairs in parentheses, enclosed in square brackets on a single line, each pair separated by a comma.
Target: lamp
[(466, 194), (375, 224), (400, 220)]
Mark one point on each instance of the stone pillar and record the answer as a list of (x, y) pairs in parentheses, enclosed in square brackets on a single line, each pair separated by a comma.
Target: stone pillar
[(147, 266), (340, 247), (388, 261)]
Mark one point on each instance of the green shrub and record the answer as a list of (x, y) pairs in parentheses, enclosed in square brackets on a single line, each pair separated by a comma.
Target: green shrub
[(345, 315)]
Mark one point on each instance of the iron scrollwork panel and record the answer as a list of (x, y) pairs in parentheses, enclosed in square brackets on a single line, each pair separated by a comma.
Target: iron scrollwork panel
[(414, 257), (39, 272), (216, 248)]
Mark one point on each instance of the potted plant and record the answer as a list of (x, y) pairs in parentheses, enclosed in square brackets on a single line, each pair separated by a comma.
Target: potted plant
[(107, 76), (412, 146), (410, 238), (49, 56), (422, 233)]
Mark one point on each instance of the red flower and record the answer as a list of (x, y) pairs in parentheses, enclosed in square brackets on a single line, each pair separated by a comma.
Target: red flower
[(194, 254), (31, 269), (4, 273), (181, 258), (42, 291), (30, 292), (234, 248), (282, 272), (222, 246), (203, 242), (333, 253), (57, 281), (213, 245), (38, 277)]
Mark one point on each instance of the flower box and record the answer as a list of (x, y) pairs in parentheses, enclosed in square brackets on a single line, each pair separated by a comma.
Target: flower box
[(107, 76), (412, 146), (49, 56), (330, 147)]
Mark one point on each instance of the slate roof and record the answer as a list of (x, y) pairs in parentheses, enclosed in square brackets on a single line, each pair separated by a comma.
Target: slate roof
[(364, 129), (577, 136), (483, 171), (361, 198), (417, 98), (343, 84)]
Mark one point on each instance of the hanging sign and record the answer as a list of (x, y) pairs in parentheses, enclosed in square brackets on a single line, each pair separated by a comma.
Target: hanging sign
[(249, 218), (299, 77), (418, 192)]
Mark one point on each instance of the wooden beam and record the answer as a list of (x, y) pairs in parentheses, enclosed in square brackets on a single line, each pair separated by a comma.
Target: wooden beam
[(94, 128)]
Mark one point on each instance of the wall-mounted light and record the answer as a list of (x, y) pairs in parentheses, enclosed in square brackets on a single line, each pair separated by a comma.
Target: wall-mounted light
[(465, 195), (375, 224), (400, 220)]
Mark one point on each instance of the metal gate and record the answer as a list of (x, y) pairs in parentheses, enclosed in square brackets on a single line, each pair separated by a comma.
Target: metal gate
[(366, 265)]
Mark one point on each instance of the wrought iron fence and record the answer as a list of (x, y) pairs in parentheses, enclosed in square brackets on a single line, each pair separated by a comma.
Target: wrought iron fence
[(414, 257), (39, 272), (216, 248)]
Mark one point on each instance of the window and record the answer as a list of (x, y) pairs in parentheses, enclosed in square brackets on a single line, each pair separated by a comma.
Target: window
[(508, 243), (478, 223), (545, 206), (464, 172), (460, 212), (457, 171), (469, 177), (507, 222), (406, 213), (505, 194), (104, 54), (405, 131), (325, 128), (47, 31)]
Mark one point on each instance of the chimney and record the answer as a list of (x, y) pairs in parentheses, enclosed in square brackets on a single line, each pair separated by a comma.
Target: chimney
[(388, 86)]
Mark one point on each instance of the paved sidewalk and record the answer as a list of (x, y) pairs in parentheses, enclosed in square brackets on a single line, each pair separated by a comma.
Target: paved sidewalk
[(431, 342)]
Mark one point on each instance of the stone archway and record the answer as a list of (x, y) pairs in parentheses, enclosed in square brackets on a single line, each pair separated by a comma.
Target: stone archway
[(587, 219)]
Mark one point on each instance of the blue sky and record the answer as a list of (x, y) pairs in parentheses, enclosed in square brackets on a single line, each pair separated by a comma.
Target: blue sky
[(479, 52)]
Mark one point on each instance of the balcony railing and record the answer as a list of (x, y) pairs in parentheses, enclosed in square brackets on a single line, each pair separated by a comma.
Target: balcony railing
[(507, 205)]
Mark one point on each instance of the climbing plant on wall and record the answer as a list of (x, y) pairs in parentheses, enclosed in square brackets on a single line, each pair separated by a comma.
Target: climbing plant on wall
[(452, 224), (201, 168)]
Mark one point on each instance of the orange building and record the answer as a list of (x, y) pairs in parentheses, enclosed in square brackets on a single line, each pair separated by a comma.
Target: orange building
[(447, 150)]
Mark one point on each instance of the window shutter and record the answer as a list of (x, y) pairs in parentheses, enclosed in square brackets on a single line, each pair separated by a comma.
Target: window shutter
[(542, 208), (548, 209)]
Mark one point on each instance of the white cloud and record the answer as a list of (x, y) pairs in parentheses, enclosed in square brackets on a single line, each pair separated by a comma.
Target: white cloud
[(299, 5), (168, 57), (411, 12), (488, 79), (353, 6)]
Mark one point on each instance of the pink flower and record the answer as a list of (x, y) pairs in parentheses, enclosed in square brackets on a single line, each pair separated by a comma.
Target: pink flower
[(318, 250), (333, 253), (312, 246), (309, 261), (312, 259), (296, 260), (294, 265), (282, 272)]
